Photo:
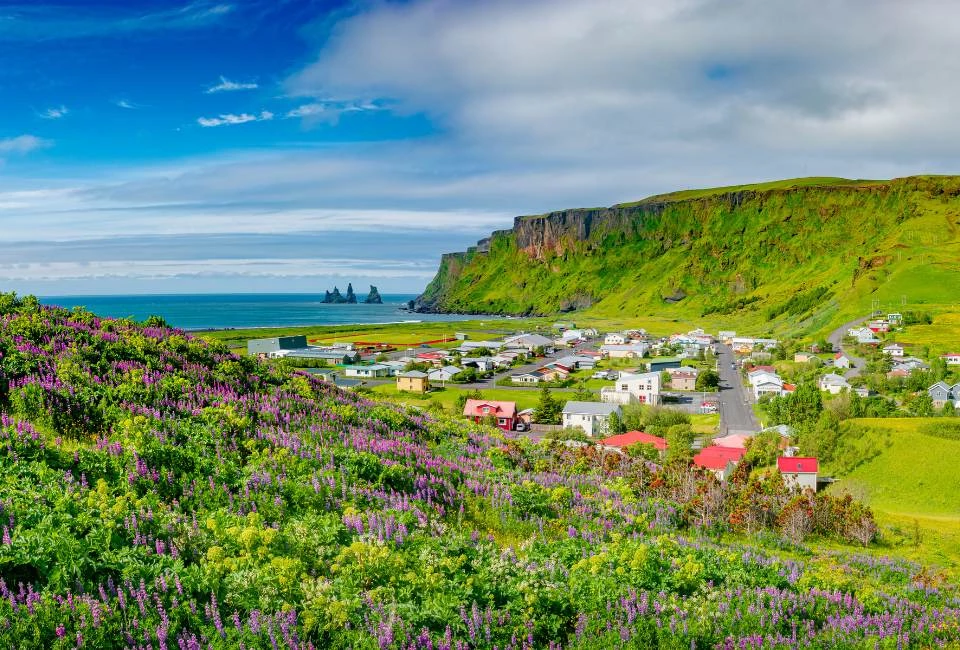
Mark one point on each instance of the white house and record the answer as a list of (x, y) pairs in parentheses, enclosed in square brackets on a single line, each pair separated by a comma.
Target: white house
[(615, 338), (894, 350), (445, 373), (840, 360), (592, 417), (369, 372), (726, 335), (627, 351), (768, 386), (833, 384), (630, 388), (798, 471), (952, 358)]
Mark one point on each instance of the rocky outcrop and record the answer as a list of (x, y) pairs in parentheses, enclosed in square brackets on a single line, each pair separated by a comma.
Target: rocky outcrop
[(373, 298)]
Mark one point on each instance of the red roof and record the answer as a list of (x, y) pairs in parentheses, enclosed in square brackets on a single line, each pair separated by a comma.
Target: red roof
[(633, 438), (764, 368), (474, 408), (797, 465), (838, 355), (950, 354), (789, 388), (431, 355), (717, 457)]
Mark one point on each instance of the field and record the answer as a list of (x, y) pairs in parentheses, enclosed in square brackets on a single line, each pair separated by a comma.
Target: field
[(914, 486), (942, 336)]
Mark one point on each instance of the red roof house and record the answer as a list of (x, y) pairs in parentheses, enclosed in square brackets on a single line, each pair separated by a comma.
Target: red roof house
[(719, 460), (634, 438), (504, 412), (799, 471)]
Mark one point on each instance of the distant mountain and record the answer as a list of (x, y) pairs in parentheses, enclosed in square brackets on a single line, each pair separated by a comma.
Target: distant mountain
[(787, 252)]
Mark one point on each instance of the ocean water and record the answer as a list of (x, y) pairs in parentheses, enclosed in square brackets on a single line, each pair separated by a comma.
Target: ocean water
[(237, 311)]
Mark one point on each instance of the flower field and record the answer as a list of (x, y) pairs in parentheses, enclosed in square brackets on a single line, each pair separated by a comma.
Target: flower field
[(157, 491)]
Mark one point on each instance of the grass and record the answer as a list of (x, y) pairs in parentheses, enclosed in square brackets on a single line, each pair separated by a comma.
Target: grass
[(942, 336), (706, 423), (915, 476)]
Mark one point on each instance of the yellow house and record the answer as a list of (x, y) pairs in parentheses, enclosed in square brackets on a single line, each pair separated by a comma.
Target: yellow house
[(413, 381)]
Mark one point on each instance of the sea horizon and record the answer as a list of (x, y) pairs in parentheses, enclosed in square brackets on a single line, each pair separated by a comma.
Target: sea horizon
[(217, 311)]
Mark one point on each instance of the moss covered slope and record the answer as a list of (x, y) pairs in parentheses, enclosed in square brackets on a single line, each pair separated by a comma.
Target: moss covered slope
[(796, 253)]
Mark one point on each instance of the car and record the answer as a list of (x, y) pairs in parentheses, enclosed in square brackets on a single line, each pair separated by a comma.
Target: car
[(733, 366), (520, 426)]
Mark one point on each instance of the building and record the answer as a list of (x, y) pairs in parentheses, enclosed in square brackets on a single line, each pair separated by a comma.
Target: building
[(733, 441), (632, 388), (719, 460), (624, 440), (592, 417), (941, 393), (615, 338), (275, 344), (529, 342), (372, 371), (413, 381), (576, 362), (683, 378), (798, 471), (840, 360), (331, 356), (833, 384), (525, 378), (952, 358), (446, 373), (505, 413), (894, 350), (664, 363), (726, 336), (805, 357), (625, 351)]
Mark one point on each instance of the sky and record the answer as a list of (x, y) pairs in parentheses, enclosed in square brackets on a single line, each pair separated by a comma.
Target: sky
[(290, 145)]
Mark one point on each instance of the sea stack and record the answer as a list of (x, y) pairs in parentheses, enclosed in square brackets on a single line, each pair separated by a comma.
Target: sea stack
[(373, 298)]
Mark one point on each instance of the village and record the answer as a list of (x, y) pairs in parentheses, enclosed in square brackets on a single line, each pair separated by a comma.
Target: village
[(727, 381)]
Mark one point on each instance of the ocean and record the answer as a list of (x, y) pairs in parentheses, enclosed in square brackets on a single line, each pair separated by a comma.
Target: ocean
[(240, 311)]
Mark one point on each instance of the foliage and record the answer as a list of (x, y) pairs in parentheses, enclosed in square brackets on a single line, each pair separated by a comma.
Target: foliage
[(195, 498)]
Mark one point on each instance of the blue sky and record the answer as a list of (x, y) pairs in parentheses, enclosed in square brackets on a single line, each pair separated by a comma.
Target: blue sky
[(291, 145)]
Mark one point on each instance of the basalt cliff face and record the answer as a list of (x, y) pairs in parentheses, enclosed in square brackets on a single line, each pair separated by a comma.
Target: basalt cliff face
[(746, 249)]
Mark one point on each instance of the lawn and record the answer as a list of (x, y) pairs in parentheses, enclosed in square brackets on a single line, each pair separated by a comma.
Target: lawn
[(915, 476), (943, 335)]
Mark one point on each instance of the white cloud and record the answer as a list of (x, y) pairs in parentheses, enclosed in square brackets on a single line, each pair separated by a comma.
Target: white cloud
[(307, 110), (690, 91), (55, 113), (126, 104), (22, 144), (226, 85), (230, 118)]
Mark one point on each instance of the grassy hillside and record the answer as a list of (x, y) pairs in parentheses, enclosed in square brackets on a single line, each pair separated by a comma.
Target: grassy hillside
[(791, 255), (157, 491)]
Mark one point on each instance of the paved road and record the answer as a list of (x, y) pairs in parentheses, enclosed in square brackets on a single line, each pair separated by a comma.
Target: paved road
[(736, 412), (836, 340)]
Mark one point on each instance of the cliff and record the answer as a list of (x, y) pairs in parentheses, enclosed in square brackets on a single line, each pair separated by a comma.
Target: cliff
[(728, 250)]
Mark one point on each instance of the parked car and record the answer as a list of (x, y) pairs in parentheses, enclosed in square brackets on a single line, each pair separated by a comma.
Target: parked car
[(520, 426)]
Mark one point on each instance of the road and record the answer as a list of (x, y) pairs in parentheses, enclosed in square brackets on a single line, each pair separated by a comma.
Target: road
[(736, 413), (836, 340)]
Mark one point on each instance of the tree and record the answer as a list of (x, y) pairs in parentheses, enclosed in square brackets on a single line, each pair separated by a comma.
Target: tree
[(584, 394), (708, 381), (615, 424), (665, 378), (922, 405), (680, 444), (548, 409)]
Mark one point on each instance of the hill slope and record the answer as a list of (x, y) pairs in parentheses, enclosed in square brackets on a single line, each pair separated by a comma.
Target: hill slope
[(797, 251), (157, 491)]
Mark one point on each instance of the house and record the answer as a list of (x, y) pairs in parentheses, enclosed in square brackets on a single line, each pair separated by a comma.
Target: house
[(479, 410), (726, 336), (840, 360), (941, 393), (413, 381), (624, 440), (630, 388), (343, 382), (833, 384), (798, 471), (868, 338), (493, 346), (264, 347), (768, 386), (368, 372), (952, 358), (878, 326), (445, 373), (625, 351), (615, 338), (552, 372), (894, 350), (482, 364), (803, 357), (434, 358), (592, 417), (525, 378), (733, 441), (529, 342), (663, 363), (683, 378), (576, 362), (898, 372), (862, 391), (719, 460), (328, 355)]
